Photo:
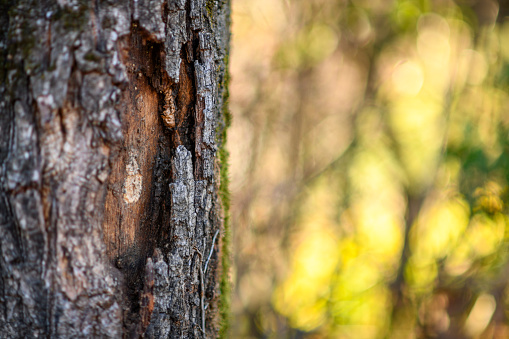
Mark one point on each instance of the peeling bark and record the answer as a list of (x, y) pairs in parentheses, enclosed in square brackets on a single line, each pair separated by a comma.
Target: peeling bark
[(109, 176)]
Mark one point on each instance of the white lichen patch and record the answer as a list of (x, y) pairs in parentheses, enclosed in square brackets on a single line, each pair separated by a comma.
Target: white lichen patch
[(133, 181)]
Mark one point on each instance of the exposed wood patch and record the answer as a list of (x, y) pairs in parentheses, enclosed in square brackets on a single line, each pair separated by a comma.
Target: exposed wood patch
[(135, 196), (128, 195)]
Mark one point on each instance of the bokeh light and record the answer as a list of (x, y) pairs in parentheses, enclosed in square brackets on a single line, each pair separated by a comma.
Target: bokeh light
[(370, 168)]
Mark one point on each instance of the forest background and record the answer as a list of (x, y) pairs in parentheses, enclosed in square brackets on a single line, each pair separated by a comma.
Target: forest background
[(369, 168)]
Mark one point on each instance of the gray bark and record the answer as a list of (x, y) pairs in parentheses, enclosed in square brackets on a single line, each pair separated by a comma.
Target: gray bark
[(111, 117)]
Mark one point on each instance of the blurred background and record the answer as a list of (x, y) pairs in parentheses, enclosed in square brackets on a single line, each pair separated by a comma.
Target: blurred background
[(369, 156)]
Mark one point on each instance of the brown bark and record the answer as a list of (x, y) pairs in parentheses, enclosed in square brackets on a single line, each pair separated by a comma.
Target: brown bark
[(110, 217)]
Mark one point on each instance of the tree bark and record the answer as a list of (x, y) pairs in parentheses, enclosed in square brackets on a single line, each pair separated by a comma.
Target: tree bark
[(112, 117)]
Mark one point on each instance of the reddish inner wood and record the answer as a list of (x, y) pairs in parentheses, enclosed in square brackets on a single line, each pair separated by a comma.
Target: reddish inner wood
[(126, 210)]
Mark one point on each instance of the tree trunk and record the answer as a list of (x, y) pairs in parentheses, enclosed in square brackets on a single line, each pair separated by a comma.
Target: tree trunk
[(112, 118)]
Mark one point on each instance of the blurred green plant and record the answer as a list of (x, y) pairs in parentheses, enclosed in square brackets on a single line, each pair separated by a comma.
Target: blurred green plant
[(372, 140)]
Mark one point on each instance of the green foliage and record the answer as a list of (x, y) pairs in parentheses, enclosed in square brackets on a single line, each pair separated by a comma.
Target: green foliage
[(389, 122)]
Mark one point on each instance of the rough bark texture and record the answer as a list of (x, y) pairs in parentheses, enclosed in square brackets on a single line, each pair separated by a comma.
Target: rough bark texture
[(111, 118)]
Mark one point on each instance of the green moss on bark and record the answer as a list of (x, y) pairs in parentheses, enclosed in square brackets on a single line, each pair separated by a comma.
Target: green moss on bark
[(224, 193)]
